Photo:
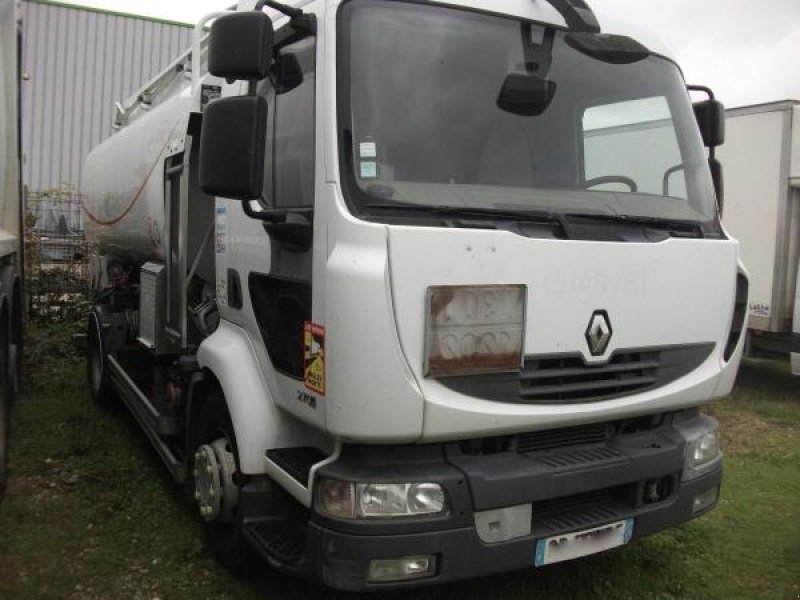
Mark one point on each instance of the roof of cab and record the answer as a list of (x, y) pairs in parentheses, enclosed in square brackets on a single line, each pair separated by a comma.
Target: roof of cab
[(535, 10)]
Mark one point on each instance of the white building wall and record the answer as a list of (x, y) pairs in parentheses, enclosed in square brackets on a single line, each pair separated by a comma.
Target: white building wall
[(78, 63)]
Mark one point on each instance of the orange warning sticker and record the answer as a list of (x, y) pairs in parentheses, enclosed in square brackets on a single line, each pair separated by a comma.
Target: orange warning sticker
[(314, 357)]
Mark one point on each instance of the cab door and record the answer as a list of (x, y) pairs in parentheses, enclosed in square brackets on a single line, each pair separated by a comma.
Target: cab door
[(265, 248)]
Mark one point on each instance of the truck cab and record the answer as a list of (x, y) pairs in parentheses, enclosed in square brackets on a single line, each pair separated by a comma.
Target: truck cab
[(437, 291)]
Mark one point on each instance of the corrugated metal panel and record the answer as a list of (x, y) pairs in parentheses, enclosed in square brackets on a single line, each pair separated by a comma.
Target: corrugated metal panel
[(80, 62)]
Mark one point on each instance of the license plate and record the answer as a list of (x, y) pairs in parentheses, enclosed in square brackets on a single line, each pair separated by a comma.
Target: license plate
[(583, 543)]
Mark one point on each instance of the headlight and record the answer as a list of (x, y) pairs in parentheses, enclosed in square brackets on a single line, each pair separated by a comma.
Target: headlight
[(349, 500), (474, 329), (706, 448), (702, 446)]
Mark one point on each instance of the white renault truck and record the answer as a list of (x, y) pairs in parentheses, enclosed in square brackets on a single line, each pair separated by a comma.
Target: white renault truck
[(408, 292), (11, 263)]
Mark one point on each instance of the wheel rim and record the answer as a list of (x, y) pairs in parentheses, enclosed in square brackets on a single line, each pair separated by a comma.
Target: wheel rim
[(215, 490)]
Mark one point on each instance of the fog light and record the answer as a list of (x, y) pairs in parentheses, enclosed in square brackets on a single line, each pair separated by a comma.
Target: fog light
[(399, 569), (705, 500)]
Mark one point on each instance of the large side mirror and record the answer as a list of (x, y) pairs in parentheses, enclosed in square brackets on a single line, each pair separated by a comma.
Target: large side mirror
[(710, 115), (240, 46), (232, 147)]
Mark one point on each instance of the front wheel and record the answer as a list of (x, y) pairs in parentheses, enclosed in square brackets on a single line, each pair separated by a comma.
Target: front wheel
[(215, 482), (100, 388)]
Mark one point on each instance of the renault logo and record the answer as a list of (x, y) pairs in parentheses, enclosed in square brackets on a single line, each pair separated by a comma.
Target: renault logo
[(598, 334)]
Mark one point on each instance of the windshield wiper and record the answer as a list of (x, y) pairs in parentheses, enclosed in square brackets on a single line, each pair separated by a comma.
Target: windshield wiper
[(539, 216), (678, 226)]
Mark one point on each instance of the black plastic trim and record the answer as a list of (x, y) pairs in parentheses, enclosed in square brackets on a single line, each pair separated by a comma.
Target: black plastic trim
[(510, 478), (400, 464), (568, 488), (281, 306), (673, 362), (739, 317), (235, 299), (343, 558)]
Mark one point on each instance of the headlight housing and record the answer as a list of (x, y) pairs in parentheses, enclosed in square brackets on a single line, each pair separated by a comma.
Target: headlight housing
[(703, 453), (474, 329), (351, 500)]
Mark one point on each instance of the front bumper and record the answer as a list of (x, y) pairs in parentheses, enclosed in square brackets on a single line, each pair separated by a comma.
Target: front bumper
[(569, 487), (460, 553)]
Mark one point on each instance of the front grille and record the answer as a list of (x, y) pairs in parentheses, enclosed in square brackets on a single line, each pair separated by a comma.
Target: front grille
[(586, 457), (568, 378), (553, 439)]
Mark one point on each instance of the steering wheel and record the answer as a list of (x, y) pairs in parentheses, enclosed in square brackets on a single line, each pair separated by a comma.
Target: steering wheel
[(612, 179)]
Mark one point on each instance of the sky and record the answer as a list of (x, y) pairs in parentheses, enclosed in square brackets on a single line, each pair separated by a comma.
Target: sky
[(747, 51)]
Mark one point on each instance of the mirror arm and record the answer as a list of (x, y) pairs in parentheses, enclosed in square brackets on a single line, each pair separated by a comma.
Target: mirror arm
[(272, 215), (294, 13), (300, 21), (701, 88), (577, 15)]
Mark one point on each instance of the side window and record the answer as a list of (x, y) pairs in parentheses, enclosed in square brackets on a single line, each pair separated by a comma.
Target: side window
[(632, 146), (292, 124)]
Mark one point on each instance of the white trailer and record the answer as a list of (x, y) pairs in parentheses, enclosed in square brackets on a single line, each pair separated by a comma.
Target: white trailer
[(10, 223), (761, 160), (412, 292)]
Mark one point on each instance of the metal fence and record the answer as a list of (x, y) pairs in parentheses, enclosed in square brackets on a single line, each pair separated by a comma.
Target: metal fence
[(56, 256)]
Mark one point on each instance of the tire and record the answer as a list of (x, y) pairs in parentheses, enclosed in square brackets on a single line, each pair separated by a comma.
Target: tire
[(5, 429), (6, 398), (225, 539), (100, 387)]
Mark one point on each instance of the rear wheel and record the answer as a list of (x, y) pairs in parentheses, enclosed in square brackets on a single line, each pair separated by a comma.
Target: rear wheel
[(5, 418), (96, 364), (6, 397), (215, 485)]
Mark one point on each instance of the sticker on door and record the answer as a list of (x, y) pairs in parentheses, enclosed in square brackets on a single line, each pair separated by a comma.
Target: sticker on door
[(314, 357)]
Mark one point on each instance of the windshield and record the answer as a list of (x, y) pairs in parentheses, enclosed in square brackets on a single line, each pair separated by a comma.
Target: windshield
[(452, 108)]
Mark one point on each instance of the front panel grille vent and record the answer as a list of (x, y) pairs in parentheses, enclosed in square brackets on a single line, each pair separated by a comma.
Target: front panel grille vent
[(568, 378), (553, 439)]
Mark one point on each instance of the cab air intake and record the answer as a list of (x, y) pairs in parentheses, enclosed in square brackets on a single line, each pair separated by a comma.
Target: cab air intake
[(739, 314)]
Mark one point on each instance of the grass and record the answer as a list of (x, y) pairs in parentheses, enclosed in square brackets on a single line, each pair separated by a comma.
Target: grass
[(92, 514)]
